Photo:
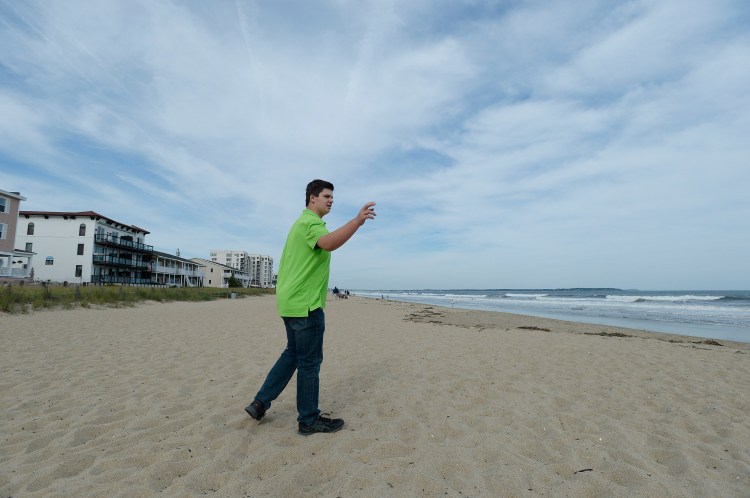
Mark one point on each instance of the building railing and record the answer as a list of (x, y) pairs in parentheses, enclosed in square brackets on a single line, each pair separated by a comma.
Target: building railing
[(173, 270), (101, 259), (114, 279), (103, 238), (179, 281), (14, 272)]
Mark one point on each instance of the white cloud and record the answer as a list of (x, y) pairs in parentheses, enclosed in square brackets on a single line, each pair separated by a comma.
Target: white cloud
[(21, 128), (534, 144)]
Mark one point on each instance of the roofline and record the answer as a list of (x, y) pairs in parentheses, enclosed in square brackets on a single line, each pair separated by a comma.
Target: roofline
[(16, 195), (163, 254), (80, 213), (219, 264)]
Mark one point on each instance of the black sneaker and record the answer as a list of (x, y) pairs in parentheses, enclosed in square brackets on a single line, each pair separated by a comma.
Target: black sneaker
[(256, 410), (321, 424)]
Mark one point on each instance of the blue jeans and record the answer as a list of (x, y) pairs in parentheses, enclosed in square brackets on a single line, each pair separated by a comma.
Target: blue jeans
[(304, 353)]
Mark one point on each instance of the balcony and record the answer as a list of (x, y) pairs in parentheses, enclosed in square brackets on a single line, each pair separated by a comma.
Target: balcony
[(14, 272), (101, 259), (173, 270), (111, 240), (114, 279)]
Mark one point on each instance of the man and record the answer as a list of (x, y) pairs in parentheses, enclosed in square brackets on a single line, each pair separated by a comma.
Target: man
[(300, 298)]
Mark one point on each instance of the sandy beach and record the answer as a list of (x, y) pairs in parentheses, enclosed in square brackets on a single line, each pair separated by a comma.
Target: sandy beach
[(438, 402)]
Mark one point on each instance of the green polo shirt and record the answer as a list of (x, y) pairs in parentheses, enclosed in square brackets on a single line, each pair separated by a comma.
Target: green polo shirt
[(302, 284)]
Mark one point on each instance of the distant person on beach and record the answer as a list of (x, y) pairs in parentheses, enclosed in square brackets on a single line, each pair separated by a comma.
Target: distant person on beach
[(300, 298)]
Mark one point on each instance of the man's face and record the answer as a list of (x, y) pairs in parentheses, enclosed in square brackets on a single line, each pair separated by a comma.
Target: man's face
[(322, 203)]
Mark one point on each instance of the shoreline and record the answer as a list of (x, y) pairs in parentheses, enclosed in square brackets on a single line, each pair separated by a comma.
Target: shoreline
[(716, 332), (485, 319), (437, 401), (492, 319)]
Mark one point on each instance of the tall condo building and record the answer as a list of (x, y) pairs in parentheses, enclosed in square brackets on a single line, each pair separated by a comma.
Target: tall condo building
[(258, 266)]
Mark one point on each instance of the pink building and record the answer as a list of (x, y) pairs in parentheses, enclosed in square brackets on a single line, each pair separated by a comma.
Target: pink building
[(15, 263)]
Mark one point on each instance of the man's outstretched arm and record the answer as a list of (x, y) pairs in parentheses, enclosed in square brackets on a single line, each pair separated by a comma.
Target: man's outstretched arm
[(339, 237)]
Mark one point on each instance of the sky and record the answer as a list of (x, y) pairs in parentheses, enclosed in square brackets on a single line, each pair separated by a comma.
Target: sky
[(507, 144)]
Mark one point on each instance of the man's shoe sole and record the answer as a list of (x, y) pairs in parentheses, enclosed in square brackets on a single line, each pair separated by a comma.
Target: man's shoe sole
[(304, 433), (318, 432)]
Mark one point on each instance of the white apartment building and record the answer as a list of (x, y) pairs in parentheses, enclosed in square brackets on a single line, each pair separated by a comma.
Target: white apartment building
[(261, 270), (85, 246), (218, 275), (14, 263), (235, 259), (258, 266)]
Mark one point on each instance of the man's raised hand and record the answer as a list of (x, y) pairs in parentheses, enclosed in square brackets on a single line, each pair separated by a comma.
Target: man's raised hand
[(366, 213)]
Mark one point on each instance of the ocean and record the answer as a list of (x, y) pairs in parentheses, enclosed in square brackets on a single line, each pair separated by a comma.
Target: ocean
[(711, 314)]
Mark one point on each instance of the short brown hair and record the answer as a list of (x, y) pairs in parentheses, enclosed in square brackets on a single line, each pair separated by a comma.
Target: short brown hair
[(315, 187)]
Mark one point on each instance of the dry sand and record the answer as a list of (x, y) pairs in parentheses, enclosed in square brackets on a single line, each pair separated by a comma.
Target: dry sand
[(148, 400)]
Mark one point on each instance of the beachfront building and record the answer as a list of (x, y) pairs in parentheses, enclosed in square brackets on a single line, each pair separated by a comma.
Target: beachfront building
[(174, 271), (261, 270), (15, 263), (234, 259), (218, 275), (85, 247), (258, 266)]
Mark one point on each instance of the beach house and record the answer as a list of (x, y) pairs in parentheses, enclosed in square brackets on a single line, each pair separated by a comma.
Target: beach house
[(85, 247), (218, 275), (170, 270), (258, 266), (15, 263)]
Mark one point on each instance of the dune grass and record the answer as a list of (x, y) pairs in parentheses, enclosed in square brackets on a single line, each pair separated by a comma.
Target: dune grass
[(23, 298)]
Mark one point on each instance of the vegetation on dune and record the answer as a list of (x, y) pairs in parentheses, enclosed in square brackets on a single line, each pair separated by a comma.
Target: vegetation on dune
[(22, 298)]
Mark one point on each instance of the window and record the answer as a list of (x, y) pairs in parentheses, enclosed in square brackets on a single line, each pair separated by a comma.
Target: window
[(80, 249), (79, 270), (30, 229), (28, 246), (3, 230), (82, 230), (3, 205)]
